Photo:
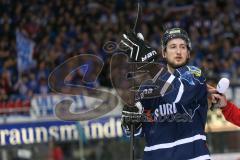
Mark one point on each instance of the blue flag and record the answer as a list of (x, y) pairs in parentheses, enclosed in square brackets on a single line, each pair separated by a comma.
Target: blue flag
[(25, 48)]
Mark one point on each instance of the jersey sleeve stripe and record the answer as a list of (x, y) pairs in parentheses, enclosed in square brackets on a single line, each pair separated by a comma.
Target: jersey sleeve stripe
[(175, 143), (180, 92), (203, 157)]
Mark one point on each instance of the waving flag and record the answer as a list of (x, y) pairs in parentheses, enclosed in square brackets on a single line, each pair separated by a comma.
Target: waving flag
[(25, 47)]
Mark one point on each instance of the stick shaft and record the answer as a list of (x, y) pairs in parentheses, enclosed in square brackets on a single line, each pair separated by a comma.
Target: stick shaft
[(132, 143), (132, 125)]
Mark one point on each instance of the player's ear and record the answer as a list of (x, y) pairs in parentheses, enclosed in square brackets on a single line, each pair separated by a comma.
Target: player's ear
[(164, 53), (188, 56)]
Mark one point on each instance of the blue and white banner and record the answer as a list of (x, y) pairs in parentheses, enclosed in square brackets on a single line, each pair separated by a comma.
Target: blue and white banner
[(42, 132), (25, 48), (43, 106)]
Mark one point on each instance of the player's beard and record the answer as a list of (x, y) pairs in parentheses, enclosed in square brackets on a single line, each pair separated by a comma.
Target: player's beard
[(175, 66)]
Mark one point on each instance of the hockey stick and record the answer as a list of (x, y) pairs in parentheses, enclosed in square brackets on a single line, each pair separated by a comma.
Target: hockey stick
[(132, 125)]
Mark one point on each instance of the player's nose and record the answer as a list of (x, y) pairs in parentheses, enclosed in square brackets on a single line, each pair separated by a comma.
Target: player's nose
[(178, 50)]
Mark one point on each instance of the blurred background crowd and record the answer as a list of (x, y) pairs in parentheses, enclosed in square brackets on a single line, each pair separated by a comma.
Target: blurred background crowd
[(62, 29)]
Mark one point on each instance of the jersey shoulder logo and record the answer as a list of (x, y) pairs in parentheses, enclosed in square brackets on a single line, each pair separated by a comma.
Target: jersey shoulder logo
[(195, 71)]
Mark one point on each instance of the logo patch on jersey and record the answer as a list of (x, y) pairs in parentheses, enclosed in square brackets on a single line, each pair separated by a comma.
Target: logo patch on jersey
[(191, 75), (195, 71)]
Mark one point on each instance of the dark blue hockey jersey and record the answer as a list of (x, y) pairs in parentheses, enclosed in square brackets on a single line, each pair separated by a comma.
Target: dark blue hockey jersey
[(175, 124)]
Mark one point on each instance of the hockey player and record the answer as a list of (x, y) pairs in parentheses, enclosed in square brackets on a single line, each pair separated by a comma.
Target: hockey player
[(172, 123)]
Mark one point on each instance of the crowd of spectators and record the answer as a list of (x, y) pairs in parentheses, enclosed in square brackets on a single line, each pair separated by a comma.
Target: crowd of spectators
[(65, 28)]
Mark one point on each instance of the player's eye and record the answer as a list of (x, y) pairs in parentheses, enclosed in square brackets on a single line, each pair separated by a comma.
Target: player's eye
[(173, 46), (183, 46)]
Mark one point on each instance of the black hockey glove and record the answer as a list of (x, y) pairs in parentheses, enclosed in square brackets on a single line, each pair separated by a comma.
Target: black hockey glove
[(132, 115), (137, 49)]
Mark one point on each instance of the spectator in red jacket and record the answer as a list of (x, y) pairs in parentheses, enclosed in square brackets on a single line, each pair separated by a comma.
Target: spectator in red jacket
[(230, 111)]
